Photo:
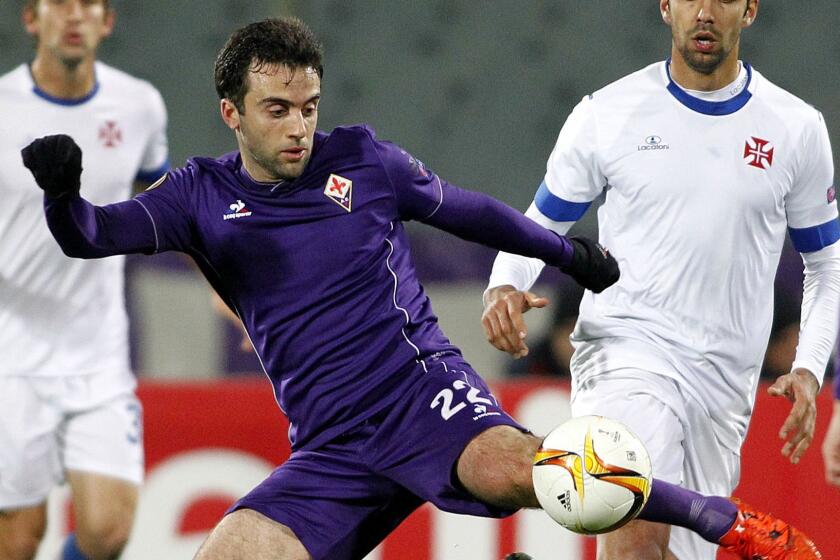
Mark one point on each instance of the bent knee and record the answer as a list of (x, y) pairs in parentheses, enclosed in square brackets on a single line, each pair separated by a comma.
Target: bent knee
[(495, 467), (104, 539)]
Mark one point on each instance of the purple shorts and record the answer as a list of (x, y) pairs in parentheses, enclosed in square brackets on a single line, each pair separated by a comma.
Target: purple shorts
[(345, 497)]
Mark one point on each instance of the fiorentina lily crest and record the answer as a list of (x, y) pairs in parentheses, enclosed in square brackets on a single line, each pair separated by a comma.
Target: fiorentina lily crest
[(340, 191)]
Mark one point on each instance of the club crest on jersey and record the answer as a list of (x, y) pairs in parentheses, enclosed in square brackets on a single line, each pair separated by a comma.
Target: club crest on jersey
[(340, 191), (758, 153), (110, 134), (236, 210)]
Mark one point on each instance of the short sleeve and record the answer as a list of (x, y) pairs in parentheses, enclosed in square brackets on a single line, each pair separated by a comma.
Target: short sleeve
[(155, 160), (810, 205), (573, 176), (418, 191), (167, 205)]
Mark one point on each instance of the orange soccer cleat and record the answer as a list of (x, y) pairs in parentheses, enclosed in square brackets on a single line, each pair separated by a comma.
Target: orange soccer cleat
[(761, 536)]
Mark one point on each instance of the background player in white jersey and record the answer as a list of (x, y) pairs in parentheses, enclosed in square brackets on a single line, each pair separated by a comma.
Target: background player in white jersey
[(704, 165), (66, 390)]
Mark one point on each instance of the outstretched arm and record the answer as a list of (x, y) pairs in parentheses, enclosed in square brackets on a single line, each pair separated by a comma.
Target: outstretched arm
[(81, 229)]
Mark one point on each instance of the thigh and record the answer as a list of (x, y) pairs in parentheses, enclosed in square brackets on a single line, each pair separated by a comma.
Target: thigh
[(330, 500), (248, 535), (29, 453), (648, 407), (106, 439), (711, 469), (648, 404), (422, 438)]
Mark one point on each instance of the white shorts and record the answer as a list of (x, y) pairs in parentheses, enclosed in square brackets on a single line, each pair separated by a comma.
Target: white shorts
[(677, 432), (49, 425)]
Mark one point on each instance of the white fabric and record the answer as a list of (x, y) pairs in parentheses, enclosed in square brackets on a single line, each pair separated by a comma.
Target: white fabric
[(820, 302), (62, 316), (678, 434), (89, 423), (696, 230)]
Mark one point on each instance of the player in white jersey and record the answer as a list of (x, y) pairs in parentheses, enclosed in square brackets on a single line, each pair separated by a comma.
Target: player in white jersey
[(66, 388), (704, 165)]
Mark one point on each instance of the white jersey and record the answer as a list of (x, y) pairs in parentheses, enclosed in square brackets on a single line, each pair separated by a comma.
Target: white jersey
[(61, 316), (699, 196)]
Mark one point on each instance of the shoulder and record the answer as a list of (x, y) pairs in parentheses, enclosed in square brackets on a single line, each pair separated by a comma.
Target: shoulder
[(355, 135), (15, 80), (630, 88), (114, 81), (786, 106)]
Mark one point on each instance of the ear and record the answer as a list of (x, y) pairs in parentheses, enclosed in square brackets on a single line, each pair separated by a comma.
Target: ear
[(665, 11), (230, 114), (750, 13), (110, 18), (30, 21)]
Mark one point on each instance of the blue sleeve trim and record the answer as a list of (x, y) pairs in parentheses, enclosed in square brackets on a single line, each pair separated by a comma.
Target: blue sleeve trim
[(814, 238), (153, 175), (557, 209)]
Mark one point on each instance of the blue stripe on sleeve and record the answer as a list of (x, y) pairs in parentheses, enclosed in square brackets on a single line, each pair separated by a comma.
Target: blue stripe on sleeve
[(557, 209), (153, 175), (814, 238)]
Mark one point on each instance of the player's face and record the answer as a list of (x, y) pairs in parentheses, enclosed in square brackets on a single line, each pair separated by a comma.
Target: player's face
[(69, 30), (707, 32), (276, 130)]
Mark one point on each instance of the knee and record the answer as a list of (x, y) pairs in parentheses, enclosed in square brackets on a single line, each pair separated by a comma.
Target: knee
[(20, 538), (495, 467), (104, 538)]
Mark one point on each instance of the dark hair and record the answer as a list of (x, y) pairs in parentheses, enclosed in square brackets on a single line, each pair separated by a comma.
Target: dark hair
[(32, 4), (282, 41)]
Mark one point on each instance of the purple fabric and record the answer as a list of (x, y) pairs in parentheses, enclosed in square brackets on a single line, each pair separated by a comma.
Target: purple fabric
[(342, 499), (837, 386), (709, 516), (90, 232), (319, 269)]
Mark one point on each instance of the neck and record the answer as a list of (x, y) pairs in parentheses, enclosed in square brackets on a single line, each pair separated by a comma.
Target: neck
[(688, 78), (61, 79)]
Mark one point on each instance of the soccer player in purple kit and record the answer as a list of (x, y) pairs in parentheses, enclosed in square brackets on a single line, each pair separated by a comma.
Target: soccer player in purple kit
[(301, 233)]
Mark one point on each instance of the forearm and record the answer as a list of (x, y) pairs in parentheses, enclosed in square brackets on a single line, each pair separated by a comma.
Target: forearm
[(820, 304), (480, 218), (516, 270), (86, 231)]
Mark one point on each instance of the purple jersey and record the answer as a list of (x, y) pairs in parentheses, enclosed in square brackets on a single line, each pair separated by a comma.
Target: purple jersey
[(318, 269)]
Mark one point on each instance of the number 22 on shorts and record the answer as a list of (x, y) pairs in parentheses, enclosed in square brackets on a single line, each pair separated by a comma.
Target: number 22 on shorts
[(446, 397)]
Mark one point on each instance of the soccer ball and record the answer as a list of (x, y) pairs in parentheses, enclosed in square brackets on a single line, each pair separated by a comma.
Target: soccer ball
[(592, 475)]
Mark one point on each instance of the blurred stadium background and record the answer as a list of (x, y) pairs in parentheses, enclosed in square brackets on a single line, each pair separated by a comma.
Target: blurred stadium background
[(478, 91)]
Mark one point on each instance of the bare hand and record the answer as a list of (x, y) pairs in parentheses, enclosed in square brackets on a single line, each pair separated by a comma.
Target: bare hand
[(502, 318), (800, 387), (831, 448)]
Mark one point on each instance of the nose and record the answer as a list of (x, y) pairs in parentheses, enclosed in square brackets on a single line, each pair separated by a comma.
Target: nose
[(297, 126), (74, 9), (706, 13)]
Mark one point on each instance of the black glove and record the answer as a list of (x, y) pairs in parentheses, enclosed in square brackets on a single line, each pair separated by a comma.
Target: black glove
[(56, 164), (592, 265)]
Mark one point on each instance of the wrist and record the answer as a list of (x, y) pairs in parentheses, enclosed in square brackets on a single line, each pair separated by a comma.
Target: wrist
[(809, 378), (493, 294)]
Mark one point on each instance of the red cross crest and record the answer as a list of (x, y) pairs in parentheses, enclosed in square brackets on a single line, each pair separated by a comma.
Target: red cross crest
[(110, 134), (758, 153), (340, 191)]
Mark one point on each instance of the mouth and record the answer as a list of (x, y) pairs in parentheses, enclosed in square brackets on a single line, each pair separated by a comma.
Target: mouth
[(704, 41), (73, 38), (294, 154)]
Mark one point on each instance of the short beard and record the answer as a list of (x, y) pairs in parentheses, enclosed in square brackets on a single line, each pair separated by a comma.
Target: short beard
[(704, 64)]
